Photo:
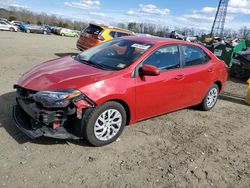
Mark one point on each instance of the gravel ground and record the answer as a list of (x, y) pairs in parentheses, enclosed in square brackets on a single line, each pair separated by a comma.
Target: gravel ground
[(187, 148)]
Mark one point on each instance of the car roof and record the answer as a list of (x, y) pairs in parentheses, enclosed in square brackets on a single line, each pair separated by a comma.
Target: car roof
[(156, 40), (111, 28)]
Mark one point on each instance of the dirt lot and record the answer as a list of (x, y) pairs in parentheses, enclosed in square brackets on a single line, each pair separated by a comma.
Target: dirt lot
[(187, 148)]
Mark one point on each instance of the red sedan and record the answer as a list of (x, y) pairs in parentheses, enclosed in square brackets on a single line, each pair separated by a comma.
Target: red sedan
[(95, 94)]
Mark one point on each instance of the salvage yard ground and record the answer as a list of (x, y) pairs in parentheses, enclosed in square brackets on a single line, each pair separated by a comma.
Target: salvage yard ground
[(188, 148)]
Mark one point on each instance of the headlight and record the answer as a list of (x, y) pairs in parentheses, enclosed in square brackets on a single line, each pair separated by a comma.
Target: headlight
[(56, 99)]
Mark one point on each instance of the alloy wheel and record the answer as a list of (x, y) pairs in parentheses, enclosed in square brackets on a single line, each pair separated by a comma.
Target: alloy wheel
[(108, 124), (212, 97)]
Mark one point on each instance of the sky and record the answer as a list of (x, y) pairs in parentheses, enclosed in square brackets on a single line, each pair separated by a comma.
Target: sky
[(198, 14)]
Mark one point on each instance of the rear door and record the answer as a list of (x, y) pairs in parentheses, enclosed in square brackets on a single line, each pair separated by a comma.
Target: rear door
[(199, 74), (156, 95)]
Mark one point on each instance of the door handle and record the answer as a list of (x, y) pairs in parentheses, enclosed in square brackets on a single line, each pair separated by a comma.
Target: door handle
[(179, 77)]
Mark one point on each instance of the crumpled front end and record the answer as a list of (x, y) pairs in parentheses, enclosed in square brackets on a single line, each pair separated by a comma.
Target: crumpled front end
[(36, 116)]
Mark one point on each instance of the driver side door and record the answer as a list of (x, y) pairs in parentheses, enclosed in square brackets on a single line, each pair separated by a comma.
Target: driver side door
[(160, 94)]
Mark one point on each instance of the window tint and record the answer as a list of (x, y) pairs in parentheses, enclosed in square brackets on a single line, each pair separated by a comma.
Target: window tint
[(3, 23), (113, 34), (194, 56), (120, 34), (165, 58)]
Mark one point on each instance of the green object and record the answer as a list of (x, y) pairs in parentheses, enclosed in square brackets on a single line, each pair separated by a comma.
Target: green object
[(227, 52), (69, 33)]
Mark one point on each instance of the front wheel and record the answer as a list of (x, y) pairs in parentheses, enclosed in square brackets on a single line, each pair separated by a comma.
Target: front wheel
[(211, 98), (105, 123), (12, 29)]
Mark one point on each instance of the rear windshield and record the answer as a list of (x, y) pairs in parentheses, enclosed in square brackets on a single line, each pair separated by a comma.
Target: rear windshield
[(92, 29)]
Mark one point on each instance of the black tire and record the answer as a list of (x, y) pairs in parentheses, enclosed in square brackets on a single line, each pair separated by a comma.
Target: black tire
[(45, 32), (90, 123), (205, 104), (27, 31), (63, 34), (12, 29)]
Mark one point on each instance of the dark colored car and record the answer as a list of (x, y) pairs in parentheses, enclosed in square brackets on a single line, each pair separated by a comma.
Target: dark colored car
[(31, 28), (93, 95), (241, 65)]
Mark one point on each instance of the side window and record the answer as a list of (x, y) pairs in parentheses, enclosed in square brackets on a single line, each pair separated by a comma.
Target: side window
[(165, 58), (3, 23), (120, 34), (194, 56), (113, 34)]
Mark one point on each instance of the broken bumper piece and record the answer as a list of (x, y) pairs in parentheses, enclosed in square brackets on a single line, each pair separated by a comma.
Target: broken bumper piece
[(23, 122)]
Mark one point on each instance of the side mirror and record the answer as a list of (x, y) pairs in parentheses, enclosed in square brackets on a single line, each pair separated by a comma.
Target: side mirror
[(149, 70)]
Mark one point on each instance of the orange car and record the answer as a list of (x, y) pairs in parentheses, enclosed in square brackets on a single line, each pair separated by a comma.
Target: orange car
[(97, 34)]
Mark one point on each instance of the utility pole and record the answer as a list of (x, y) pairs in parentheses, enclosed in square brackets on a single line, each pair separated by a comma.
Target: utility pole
[(220, 17)]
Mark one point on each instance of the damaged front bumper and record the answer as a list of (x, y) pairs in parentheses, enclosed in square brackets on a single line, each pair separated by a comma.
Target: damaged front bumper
[(23, 123), (61, 123)]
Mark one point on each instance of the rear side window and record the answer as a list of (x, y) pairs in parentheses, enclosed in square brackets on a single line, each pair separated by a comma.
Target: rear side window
[(120, 34), (115, 34), (194, 56), (92, 29), (165, 58)]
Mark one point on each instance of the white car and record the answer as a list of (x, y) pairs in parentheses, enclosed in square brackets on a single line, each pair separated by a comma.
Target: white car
[(16, 23), (7, 27)]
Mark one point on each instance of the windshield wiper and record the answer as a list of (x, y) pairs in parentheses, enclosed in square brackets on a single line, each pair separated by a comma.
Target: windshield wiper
[(91, 63)]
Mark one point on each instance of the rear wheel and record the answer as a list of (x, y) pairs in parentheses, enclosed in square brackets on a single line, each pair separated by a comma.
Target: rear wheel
[(12, 29), (45, 32), (63, 34), (105, 123), (27, 31), (210, 99)]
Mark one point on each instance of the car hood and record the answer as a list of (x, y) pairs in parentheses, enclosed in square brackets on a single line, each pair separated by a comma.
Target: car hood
[(61, 73)]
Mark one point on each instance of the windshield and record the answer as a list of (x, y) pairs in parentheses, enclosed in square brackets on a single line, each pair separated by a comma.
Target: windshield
[(114, 55)]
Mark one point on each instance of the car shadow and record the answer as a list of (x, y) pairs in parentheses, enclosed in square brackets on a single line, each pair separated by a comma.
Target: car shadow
[(232, 98), (7, 101), (237, 80), (65, 54)]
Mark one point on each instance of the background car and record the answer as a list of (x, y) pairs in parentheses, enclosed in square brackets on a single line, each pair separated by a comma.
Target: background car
[(16, 23), (93, 95), (68, 33), (7, 27), (97, 34), (32, 28), (176, 35), (23, 27)]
